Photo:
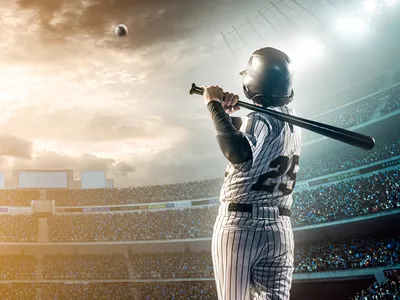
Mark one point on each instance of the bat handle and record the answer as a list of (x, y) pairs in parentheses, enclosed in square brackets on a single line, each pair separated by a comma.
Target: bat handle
[(196, 90)]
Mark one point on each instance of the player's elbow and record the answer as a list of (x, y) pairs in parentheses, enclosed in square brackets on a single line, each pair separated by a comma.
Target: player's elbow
[(235, 148)]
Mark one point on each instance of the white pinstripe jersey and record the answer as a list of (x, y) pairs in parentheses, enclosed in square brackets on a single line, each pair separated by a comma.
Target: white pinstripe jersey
[(270, 176)]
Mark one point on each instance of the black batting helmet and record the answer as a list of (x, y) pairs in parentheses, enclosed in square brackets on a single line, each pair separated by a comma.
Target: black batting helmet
[(268, 79)]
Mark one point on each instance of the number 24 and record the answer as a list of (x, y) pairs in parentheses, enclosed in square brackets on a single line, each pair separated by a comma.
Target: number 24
[(282, 164)]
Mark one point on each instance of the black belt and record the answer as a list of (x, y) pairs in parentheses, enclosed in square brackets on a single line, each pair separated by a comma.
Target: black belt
[(241, 207)]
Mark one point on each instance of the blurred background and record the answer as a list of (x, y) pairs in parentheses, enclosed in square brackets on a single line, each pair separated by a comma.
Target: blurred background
[(110, 170)]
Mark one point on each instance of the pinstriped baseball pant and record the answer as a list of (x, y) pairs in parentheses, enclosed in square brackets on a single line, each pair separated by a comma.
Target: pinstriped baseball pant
[(252, 254)]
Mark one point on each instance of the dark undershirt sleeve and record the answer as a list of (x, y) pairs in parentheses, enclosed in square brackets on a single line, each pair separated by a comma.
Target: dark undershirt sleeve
[(231, 141), (237, 122)]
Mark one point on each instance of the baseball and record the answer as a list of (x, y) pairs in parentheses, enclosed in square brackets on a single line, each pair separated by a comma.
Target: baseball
[(121, 30)]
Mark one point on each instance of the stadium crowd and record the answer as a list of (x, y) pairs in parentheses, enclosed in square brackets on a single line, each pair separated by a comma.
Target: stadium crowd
[(18, 228), (309, 168), (146, 225), (347, 199), (112, 266), (318, 257), (393, 104), (17, 291), (18, 197), (319, 166), (178, 290), (17, 267), (98, 291), (387, 290), (358, 112), (155, 193), (121, 291), (342, 200), (172, 265), (347, 254)]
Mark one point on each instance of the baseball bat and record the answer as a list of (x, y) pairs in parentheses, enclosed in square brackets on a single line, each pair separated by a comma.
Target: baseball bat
[(346, 136)]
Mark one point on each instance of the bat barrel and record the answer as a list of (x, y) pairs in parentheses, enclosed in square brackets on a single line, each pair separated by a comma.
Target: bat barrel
[(346, 136)]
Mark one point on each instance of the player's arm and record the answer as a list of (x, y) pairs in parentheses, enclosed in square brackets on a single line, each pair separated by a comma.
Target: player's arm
[(233, 143), (237, 122), (239, 142)]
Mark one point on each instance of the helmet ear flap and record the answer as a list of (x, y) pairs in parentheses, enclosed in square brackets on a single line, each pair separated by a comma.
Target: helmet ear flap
[(248, 93)]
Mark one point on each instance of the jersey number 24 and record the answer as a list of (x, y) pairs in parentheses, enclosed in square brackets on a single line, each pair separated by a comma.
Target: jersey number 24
[(281, 166)]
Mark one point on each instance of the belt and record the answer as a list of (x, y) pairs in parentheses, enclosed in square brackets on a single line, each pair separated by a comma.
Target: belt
[(241, 207)]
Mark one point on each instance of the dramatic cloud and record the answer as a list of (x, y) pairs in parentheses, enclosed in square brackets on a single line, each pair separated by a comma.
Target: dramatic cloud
[(78, 97), (13, 146), (149, 22)]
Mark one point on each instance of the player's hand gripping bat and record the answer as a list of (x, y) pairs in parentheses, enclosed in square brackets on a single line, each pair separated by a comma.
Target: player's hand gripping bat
[(346, 136)]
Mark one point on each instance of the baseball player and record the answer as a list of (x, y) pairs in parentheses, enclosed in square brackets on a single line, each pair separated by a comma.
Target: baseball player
[(252, 244)]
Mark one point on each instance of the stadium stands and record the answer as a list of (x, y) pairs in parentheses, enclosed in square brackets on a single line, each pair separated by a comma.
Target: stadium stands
[(120, 291), (178, 290), (354, 253), (335, 162), (392, 104), (172, 265), (17, 291), (390, 289), (18, 228), (17, 267), (319, 257), (359, 112), (98, 291), (170, 224), (85, 267), (338, 201), (156, 193), (312, 167), (347, 199), (18, 197)]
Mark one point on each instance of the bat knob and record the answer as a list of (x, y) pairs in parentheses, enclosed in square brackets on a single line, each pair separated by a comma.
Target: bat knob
[(196, 90), (192, 89)]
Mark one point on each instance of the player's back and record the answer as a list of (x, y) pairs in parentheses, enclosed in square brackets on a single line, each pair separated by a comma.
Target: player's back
[(270, 177)]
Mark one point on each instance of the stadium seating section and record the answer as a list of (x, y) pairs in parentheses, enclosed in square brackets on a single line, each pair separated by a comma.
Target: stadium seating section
[(210, 188), (390, 289)]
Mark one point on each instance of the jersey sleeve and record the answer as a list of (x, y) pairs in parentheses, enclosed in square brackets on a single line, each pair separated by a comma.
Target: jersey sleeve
[(256, 129)]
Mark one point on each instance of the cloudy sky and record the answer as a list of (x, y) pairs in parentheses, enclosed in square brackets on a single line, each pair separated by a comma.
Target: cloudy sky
[(74, 95)]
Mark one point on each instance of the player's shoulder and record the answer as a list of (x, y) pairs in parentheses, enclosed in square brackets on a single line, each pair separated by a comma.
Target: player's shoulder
[(260, 121), (260, 117)]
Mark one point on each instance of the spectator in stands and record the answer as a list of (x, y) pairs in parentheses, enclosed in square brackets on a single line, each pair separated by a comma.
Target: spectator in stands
[(18, 197), (157, 193), (17, 291), (318, 166), (388, 290), (338, 201), (348, 254), (17, 267), (146, 225), (347, 199), (178, 290), (18, 228), (98, 291), (172, 265), (85, 267)]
